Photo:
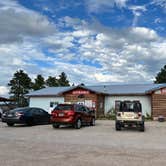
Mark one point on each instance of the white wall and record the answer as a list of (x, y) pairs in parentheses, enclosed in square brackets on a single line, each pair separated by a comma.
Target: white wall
[(44, 102), (145, 101)]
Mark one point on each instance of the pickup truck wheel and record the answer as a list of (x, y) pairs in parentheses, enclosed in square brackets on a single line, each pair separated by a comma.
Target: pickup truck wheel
[(78, 124), (117, 126)]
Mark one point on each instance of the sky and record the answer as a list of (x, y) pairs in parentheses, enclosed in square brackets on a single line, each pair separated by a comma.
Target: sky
[(92, 41)]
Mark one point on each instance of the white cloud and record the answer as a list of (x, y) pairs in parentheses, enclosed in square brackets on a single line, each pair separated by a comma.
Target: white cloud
[(161, 3), (98, 6), (20, 22), (3, 91), (137, 12), (144, 33), (157, 20)]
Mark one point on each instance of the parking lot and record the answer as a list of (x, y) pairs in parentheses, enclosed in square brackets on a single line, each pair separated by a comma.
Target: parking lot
[(90, 146)]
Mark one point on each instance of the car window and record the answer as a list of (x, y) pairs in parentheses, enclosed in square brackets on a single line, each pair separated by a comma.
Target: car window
[(79, 108), (64, 107), (83, 109), (42, 112), (87, 109), (35, 111), (130, 107)]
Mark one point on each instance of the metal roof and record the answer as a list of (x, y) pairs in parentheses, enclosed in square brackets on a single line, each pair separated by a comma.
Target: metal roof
[(50, 91), (121, 89), (127, 89)]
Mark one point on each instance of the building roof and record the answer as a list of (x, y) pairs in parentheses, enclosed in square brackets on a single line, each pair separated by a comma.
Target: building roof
[(50, 91), (127, 89), (121, 89), (3, 99)]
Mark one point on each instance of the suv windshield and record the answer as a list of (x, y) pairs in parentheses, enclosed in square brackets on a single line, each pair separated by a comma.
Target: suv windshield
[(130, 107), (63, 107)]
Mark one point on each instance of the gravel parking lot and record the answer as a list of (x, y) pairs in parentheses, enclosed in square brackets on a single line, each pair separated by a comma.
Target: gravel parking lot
[(89, 146)]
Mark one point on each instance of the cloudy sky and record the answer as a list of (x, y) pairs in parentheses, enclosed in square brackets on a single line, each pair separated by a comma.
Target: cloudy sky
[(92, 41)]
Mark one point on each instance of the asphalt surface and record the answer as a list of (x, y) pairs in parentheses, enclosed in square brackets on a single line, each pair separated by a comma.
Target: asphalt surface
[(100, 145)]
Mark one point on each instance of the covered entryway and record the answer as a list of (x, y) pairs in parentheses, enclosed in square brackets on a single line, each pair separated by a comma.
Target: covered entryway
[(87, 97)]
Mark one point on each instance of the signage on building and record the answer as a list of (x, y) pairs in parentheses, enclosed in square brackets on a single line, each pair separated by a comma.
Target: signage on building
[(78, 92), (163, 91)]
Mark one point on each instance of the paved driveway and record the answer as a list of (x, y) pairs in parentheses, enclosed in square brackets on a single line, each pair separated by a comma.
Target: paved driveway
[(100, 145)]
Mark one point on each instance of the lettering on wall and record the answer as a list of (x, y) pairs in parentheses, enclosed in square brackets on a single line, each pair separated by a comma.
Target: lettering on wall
[(78, 92)]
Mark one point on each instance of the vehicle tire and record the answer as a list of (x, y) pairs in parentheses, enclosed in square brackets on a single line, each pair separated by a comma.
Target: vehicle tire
[(55, 126), (30, 122), (78, 124), (117, 126), (10, 124), (142, 127), (92, 123)]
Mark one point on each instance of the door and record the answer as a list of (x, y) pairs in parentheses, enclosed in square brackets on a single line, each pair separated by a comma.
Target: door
[(45, 117), (37, 116)]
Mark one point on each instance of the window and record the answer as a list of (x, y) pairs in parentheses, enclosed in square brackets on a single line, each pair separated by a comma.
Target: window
[(64, 107), (53, 104), (130, 106)]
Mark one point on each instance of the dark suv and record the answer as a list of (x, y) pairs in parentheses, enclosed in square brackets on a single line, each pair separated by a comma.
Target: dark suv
[(72, 114)]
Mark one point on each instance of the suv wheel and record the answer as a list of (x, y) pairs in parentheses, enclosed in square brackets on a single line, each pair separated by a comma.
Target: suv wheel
[(55, 126), (142, 127), (10, 124), (92, 123), (117, 126), (78, 124)]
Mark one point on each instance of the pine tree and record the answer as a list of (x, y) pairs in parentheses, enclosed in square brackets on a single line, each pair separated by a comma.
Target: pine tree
[(63, 81), (52, 81), (19, 85), (39, 82), (161, 76)]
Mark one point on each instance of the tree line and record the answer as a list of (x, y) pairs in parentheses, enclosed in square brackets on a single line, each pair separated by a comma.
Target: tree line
[(21, 84)]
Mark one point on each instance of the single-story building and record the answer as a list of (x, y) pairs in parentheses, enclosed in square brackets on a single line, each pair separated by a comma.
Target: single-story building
[(103, 98)]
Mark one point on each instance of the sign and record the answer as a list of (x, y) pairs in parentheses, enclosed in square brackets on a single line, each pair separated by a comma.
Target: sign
[(163, 91), (78, 92)]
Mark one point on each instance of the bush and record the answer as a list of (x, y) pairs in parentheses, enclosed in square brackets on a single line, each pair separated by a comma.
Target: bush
[(110, 115), (148, 117)]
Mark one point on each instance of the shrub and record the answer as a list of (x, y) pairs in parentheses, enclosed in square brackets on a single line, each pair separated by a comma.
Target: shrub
[(110, 115), (148, 116)]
